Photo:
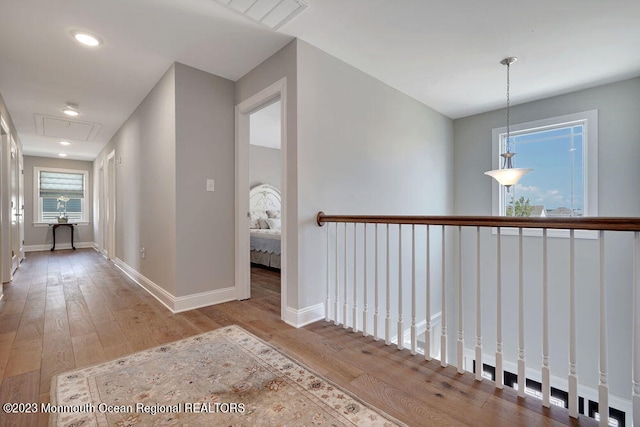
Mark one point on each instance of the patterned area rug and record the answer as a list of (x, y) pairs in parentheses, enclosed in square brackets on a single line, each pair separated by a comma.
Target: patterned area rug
[(225, 377)]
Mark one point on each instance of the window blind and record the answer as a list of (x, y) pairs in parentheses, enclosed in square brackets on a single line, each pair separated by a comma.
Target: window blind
[(56, 184)]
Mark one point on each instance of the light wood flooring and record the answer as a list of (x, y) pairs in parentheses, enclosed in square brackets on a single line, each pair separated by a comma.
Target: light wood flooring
[(70, 309)]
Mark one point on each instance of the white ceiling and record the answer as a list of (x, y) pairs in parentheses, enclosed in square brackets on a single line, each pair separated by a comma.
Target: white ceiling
[(444, 54)]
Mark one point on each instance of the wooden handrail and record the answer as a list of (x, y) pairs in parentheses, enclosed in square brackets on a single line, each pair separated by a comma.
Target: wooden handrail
[(576, 223)]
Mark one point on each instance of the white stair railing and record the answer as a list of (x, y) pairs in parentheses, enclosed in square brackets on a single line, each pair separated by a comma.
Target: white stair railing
[(350, 279)]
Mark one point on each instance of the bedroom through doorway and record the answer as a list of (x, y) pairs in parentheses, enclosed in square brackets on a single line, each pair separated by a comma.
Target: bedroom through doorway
[(265, 201)]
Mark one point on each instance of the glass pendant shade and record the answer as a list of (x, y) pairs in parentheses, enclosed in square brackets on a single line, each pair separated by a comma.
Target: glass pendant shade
[(508, 177)]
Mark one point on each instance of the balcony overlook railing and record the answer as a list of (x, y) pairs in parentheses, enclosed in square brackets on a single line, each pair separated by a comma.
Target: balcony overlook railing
[(423, 273)]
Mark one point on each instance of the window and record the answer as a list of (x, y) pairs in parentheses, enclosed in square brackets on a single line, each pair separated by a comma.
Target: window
[(562, 151), (51, 184)]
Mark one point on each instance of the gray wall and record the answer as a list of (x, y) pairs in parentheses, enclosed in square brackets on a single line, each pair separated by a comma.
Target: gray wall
[(283, 64), (364, 148), (618, 106), (146, 185), (264, 166), (43, 235), (204, 149)]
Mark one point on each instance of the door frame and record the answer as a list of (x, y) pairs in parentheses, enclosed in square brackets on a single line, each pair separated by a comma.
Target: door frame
[(110, 211), (5, 199), (102, 214), (243, 110)]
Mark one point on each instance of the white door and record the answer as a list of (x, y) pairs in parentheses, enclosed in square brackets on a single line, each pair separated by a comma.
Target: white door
[(21, 206), (15, 208), (101, 211), (110, 182)]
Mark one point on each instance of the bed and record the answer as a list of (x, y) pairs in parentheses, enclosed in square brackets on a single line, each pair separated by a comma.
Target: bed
[(264, 226)]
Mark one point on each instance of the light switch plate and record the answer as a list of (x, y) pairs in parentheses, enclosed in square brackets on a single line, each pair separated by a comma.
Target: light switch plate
[(210, 185)]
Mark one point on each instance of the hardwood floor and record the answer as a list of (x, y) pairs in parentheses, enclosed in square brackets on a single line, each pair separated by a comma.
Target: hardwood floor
[(66, 310)]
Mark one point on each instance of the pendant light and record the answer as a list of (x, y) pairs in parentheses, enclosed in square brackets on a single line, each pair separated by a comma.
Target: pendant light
[(508, 175)]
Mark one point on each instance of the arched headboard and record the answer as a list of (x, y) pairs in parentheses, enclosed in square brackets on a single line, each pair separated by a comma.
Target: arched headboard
[(264, 197)]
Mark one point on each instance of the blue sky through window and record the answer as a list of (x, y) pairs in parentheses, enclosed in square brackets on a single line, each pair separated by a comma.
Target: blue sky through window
[(550, 154)]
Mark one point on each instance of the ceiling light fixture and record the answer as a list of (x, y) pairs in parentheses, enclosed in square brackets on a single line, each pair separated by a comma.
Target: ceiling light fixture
[(62, 155), (508, 175), (86, 39), (65, 143), (71, 110)]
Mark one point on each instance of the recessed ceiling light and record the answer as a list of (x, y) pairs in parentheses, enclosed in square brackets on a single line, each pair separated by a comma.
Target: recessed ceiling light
[(71, 110), (65, 143), (62, 155), (86, 38)]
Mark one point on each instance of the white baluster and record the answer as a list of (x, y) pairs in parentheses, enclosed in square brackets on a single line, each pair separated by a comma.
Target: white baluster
[(376, 312), (460, 342), (328, 303), (336, 302), (365, 310), (636, 330), (387, 320), (546, 390), (499, 370), (413, 289), (479, 365), (354, 314), (400, 329), (603, 388), (521, 365), (443, 335), (427, 331), (345, 323), (573, 378)]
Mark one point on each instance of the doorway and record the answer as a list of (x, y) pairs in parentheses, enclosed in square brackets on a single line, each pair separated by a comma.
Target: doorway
[(273, 95), (265, 200)]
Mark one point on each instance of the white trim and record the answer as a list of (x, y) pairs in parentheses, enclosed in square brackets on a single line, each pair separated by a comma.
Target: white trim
[(47, 224), (303, 317), (243, 110), (111, 204), (203, 299), (555, 381), (164, 297), (59, 246), (173, 303)]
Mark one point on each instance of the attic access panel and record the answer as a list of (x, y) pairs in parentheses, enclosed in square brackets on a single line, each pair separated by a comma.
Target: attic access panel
[(74, 130), (272, 13)]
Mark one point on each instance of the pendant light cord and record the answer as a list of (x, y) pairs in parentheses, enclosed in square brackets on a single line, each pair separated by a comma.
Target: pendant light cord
[(508, 109)]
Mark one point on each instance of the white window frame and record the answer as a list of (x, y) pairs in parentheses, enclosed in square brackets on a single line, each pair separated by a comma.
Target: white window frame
[(37, 208), (589, 120)]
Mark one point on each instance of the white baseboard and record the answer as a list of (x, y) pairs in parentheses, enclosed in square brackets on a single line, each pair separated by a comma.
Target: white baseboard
[(173, 303), (204, 299), (305, 316), (561, 383), (47, 247)]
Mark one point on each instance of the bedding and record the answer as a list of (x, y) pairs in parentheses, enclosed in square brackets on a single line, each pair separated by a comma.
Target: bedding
[(265, 226)]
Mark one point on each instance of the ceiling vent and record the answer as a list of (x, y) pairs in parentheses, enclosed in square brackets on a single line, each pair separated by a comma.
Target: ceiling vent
[(75, 130), (272, 13)]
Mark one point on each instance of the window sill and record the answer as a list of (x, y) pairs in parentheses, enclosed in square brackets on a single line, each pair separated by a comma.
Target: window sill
[(551, 232), (47, 224)]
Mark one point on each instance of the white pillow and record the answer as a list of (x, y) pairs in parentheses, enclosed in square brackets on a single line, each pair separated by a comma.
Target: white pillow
[(263, 223), (254, 218), (274, 224), (273, 214)]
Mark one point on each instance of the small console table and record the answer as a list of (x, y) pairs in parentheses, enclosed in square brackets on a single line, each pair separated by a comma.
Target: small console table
[(70, 225)]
